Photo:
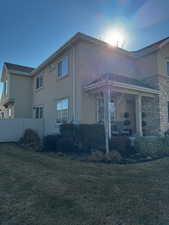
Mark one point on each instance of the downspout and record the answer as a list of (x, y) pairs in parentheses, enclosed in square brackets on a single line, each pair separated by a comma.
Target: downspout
[(74, 85)]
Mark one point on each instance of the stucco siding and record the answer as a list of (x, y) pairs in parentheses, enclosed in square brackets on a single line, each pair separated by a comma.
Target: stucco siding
[(147, 66), (92, 61), (21, 92), (54, 88)]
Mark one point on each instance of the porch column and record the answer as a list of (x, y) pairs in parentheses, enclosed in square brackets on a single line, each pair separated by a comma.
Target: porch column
[(107, 117), (139, 115)]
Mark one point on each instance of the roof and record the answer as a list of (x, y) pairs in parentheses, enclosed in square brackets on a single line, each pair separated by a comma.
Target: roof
[(120, 79), (78, 36), (156, 44), (19, 68)]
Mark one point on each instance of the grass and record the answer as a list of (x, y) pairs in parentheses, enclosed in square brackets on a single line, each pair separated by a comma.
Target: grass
[(42, 189)]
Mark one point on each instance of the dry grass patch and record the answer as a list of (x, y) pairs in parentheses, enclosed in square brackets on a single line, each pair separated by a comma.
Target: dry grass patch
[(39, 189)]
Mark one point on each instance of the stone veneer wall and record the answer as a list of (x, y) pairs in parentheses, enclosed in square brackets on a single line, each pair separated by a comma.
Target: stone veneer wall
[(151, 107), (160, 105), (164, 98)]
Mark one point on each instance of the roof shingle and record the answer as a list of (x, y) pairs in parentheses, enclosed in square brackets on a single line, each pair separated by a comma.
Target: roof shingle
[(19, 68), (121, 79)]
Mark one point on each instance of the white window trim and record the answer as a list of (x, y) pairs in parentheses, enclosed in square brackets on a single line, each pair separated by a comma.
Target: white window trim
[(168, 111), (167, 72), (67, 74), (34, 111), (40, 87)]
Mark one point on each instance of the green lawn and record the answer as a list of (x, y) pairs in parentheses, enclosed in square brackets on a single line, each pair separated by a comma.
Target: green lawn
[(41, 189)]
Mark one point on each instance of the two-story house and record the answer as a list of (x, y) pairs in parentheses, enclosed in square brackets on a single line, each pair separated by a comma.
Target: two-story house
[(90, 81), (17, 93)]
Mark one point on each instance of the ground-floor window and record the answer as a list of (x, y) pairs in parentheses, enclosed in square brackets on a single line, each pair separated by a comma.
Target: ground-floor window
[(62, 110), (38, 112)]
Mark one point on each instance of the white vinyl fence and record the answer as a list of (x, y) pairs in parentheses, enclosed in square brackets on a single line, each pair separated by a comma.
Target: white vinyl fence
[(13, 129)]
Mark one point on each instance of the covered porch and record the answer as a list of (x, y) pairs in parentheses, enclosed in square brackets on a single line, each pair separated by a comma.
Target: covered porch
[(124, 105)]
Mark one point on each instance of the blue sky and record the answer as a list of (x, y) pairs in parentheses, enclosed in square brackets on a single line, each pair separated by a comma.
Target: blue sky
[(31, 30)]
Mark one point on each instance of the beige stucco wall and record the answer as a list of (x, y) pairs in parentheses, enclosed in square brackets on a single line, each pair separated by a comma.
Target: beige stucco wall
[(147, 66), (92, 61), (54, 88), (20, 87)]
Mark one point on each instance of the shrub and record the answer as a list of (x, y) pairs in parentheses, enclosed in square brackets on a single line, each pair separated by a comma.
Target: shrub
[(166, 133), (86, 137), (127, 122), (31, 139), (66, 145), (50, 143), (152, 146), (113, 156), (122, 144), (96, 156)]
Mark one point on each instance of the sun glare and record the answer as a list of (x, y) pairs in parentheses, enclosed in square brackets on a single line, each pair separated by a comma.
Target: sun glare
[(114, 38)]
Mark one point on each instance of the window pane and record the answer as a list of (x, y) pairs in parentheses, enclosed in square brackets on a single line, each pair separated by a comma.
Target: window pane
[(40, 81), (41, 112), (168, 68), (65, 104), (62, 110), (62, 104), (60, 68), (37, 82), (168, 111), (37, 113), (59, 105), (65, 66)]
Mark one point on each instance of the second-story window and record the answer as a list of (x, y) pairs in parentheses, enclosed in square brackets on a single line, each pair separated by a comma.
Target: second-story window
[(168, 68), (63, 67), (39, 82), (5, 88)]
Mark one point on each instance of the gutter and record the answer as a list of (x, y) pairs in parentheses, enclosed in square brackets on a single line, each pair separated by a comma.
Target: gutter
[(122, 85)]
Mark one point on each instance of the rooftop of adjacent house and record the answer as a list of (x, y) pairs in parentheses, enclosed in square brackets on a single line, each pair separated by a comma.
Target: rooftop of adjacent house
[(20, 68)]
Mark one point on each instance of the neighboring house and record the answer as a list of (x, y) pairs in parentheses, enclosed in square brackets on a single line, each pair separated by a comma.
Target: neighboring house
[(88, 81), (16, 100)]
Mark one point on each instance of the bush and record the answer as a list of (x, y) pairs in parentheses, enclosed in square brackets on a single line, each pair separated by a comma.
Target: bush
[(122, 144), (127, 122), (50, 143), (31, 139), (96, 156), (166, 133), (111, 157), (152, 146), (86, 137), (66, 145)]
